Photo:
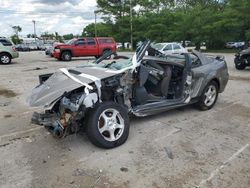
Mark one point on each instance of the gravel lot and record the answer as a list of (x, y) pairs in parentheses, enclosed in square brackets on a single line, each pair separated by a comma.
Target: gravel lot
[(178, 148)]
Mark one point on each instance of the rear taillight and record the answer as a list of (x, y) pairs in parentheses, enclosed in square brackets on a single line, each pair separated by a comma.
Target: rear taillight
[(14, 49)]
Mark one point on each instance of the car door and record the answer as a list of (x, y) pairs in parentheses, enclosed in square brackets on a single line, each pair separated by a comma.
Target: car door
[(92, 48), (198, 75), (80, 48)]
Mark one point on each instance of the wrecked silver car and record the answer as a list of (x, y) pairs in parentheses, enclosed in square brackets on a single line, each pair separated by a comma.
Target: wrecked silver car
[(99, 97)]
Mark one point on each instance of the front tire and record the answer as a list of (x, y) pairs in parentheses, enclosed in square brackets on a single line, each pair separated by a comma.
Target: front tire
[(209, 96), (108, 125), (66, 56), (5, 58), (240, 64)]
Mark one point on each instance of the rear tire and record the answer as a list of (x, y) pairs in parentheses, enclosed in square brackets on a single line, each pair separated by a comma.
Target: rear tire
[(66, 56), (5, 58), (209, 96), (240, 65), (108, 125)]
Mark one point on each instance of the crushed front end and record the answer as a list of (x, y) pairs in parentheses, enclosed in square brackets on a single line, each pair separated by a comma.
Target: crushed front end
[(67, 114), (65, 101)]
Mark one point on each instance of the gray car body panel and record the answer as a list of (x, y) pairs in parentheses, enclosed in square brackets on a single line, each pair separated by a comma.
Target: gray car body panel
[(210, 69), (59, 84), (245, 52)]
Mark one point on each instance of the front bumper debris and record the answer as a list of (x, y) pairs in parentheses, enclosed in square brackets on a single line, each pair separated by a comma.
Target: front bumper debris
[(51, 122)]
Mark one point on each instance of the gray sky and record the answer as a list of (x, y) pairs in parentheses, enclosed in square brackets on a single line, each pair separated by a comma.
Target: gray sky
[(63, 16)]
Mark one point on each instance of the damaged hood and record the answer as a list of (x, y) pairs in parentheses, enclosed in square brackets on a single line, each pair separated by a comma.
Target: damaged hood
[(87, 76), (66, 80)]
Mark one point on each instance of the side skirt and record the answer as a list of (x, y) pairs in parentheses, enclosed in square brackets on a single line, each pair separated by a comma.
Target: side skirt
[(161, 106)]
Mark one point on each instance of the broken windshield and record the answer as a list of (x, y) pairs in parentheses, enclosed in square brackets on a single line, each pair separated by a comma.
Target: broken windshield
[(110, 64)]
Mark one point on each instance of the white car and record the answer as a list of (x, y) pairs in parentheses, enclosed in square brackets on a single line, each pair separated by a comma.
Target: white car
[(235, 44), (170, 48)]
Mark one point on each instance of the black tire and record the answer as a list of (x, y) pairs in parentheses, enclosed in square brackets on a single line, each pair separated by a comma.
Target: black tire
[(202, 104), (96, 122), (66, 56), (5, 58), (240, 65)]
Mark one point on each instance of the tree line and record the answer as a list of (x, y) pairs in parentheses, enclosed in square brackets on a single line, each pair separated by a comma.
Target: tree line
[(214, 22)]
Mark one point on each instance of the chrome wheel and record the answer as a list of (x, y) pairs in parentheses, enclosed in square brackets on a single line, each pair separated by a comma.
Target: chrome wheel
[(5, 59), (210, 95), (111, 124), (67, 57)]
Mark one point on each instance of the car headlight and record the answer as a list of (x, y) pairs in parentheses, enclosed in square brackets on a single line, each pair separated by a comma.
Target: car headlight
[(57, 50)]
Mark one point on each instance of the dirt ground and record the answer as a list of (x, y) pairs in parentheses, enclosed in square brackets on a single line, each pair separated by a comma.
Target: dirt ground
[(179, 148)]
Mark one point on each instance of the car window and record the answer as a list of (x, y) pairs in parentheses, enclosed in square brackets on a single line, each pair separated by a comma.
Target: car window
[(90, 41), (168, 47), (158, 46), (5, 42), (80, 42), (176, 47)]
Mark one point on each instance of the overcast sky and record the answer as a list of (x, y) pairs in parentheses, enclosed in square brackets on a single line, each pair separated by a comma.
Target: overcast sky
[(63, 16)]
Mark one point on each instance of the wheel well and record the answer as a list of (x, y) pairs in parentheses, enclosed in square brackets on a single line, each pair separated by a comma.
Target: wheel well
[(7, 54), (66, 51), (216, 81)]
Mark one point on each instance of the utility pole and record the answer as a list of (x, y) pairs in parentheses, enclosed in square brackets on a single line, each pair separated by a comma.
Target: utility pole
[(131, 25), (34, 22), (95, 24)]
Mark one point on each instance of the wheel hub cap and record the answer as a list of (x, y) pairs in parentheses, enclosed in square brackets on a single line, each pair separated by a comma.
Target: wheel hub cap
[(5, 59), (111, 124), (210, 95)]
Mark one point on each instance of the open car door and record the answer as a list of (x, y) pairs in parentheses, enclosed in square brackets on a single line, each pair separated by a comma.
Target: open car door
[(163, 68)]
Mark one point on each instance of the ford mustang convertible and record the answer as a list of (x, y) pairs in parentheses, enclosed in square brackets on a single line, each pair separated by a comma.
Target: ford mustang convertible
[(100, 97)]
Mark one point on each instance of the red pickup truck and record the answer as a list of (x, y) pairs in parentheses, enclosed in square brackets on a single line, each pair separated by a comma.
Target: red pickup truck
[(84, 47)]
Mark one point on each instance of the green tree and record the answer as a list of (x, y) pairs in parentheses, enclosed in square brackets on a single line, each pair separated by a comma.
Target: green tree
[(212, 21), (237, 15), (103, 30), (58, 37), (68, 36), (17, 29), (15, 37)]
